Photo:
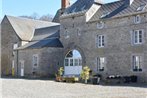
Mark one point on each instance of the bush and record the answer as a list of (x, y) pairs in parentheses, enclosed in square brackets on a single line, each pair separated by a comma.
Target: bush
[(85, 73), (59, 74)]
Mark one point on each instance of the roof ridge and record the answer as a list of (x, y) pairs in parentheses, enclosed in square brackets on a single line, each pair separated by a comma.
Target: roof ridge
[(23, 18)]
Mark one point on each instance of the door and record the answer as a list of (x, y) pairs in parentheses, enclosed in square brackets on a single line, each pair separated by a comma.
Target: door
[(13, 69), (73, 63), (22, 68)]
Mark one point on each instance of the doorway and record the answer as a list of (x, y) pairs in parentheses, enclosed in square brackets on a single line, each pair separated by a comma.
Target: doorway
[(73, 63)]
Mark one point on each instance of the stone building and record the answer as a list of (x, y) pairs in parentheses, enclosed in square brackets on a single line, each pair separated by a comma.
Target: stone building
[(16, 32), (111, 38)]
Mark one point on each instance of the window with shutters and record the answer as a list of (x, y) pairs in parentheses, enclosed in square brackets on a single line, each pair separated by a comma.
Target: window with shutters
[(137, 63)]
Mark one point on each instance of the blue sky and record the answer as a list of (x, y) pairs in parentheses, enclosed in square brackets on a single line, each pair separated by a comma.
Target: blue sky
[(28, 7)]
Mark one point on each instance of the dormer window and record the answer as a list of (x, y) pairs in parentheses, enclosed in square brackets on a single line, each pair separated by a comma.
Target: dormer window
[(83, 8), (105, 14), (100, 25), (137, 19), (141, 7)]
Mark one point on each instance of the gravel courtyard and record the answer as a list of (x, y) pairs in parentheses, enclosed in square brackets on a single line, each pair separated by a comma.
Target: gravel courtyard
[(23, 88)]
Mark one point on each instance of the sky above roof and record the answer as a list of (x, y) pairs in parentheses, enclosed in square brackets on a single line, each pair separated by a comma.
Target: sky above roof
[(29, 7)]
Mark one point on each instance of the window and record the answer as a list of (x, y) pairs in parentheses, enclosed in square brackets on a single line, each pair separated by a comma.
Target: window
[(71, 62), (14, 47), (74, 10), (137, 19), (105, 14), (66, 62), (83, 8), (137, 37), (66, 34), (76, 62), (78, 32), (101, 63), (137, 63), (35, 60), (100, 25), (141, 7), (80, 62), (100, 41), (13, 64)]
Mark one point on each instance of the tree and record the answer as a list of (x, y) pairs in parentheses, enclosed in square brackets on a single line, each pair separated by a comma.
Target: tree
[(47, 17), (36, 16)]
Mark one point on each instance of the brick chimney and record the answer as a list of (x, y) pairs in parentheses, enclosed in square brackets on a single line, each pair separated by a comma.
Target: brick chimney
[(65, 4)]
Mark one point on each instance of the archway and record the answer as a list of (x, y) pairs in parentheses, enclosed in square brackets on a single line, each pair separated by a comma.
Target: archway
[(73, 63)]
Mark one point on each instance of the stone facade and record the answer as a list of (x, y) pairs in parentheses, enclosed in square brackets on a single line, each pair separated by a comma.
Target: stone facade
[(8, 38), (80, 30), (78, 34), (49, 60)]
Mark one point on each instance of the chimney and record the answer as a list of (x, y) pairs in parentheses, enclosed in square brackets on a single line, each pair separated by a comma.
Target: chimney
[(65, 4)]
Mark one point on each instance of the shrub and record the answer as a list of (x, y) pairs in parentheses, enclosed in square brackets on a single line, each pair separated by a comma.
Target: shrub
[(85, 73), (59, 74)]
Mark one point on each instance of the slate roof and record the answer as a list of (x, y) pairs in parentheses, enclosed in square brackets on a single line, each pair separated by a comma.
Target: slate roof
[(81, 5), (47, 32), (24, 28), (109, 9), (117, 8), (48, 42), (133, 8), (55, 42), (44, 37), (51, 42)]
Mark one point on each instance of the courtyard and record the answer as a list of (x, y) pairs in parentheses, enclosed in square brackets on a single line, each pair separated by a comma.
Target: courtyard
[(29, 88)]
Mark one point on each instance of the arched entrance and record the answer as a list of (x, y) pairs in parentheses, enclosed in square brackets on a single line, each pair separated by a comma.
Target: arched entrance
[(73, 63)]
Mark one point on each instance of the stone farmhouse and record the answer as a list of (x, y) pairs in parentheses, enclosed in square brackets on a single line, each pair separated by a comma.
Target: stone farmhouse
[(110, 38)]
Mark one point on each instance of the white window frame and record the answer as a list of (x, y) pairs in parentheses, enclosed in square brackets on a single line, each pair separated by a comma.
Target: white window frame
[(101, 63), (137, 19), (100, 41), (22, 67), (15, 45), (100, 25), (37, 62), (13, 63), (137, 38), (141, 7), (137, 63), (79, 62)]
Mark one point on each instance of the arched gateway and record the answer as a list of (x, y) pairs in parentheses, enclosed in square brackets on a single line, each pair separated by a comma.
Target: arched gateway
[(73, 63)]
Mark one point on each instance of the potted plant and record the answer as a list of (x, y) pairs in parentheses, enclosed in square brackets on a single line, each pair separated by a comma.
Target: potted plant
[(85, 74), (59, 74)]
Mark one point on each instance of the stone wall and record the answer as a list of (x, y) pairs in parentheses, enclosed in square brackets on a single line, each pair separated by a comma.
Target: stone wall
[(8, 38), (50, 59), (118, 50)]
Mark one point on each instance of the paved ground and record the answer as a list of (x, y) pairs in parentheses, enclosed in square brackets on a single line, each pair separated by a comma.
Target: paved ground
[(21, 88)]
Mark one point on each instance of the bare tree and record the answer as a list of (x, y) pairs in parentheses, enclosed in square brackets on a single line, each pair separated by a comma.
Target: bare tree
[(47, 17), (35, 16)]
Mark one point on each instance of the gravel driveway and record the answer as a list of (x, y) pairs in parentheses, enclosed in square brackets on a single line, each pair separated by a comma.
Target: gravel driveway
[(23, 88)]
